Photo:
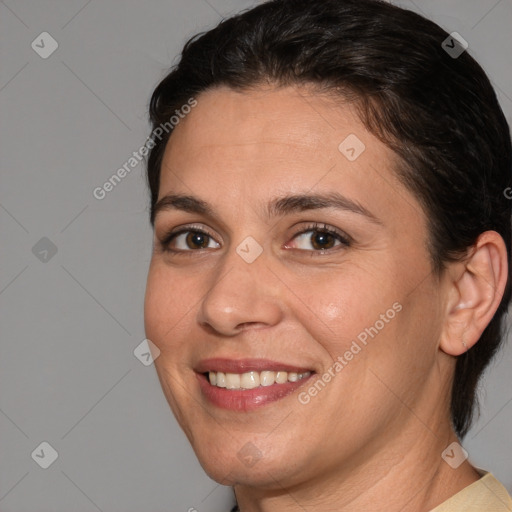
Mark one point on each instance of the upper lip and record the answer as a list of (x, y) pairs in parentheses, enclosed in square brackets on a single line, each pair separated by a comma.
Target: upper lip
[(245, 365)]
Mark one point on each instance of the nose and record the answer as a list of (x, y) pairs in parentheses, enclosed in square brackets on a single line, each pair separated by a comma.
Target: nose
[(241, 295)]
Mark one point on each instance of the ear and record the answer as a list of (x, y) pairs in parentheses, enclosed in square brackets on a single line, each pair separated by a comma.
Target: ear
[(475, 291)]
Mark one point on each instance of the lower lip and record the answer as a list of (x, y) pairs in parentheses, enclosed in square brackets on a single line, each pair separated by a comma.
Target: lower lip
[(247, 399)]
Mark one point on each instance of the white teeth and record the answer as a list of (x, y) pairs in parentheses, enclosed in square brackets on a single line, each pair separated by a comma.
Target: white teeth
[(281, 377), (233, 381), (221, 379), (267, 378), (251, 380)]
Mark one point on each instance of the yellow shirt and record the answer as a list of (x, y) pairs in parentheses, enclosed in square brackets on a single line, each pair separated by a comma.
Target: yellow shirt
[(484, 495)]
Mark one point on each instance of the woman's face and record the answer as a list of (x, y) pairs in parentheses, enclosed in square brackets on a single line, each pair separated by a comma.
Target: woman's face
[(255, 290)]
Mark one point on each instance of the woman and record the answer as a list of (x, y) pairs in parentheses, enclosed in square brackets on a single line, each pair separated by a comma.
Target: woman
[(330, 267)]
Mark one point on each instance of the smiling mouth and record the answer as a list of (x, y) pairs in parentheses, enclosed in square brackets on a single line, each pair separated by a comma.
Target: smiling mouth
[(229, 391), (243, 385), (253, 379)]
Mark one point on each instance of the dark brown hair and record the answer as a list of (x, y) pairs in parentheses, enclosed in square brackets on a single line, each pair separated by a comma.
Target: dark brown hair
[(438, 113)]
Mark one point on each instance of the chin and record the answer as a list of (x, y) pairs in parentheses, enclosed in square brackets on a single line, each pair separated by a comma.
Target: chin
[(248, 465), (261, 475)]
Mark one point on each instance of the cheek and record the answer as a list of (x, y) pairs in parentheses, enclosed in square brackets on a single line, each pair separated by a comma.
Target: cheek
[(166, 304), (365, 327), (165, 314), (336, 307)]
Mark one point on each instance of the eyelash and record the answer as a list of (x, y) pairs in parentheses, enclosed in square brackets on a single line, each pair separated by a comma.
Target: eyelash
[(318, 227)]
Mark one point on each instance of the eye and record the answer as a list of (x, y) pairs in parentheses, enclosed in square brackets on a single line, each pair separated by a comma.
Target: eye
[(187, 240), (319, 237)]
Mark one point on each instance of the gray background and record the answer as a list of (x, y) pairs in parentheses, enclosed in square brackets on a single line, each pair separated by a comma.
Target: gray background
[(70, 324)]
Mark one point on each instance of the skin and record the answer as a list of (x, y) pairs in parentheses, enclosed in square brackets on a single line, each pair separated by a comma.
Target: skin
[(372, 438)]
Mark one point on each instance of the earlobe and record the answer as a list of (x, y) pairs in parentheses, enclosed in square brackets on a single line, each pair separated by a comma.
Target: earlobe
[(475, 294)]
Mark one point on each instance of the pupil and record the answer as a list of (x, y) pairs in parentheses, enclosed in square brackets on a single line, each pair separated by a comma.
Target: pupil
[(321, 239), (197, 240)]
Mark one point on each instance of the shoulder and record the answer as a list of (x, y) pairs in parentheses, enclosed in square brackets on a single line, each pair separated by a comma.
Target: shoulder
[(485, 495)]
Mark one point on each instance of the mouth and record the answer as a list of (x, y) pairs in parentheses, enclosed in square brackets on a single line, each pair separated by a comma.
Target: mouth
[(244, 385), (253, 379)]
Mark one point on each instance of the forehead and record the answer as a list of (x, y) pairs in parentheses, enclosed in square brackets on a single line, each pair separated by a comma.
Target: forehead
[(290, 117), (271, 134), (242, 146)]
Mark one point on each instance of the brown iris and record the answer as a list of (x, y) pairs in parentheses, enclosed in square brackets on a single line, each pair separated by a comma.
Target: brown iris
[(321, 240), (197, 240)]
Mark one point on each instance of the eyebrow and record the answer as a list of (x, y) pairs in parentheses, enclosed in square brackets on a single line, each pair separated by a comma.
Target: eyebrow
[(276, 207)]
